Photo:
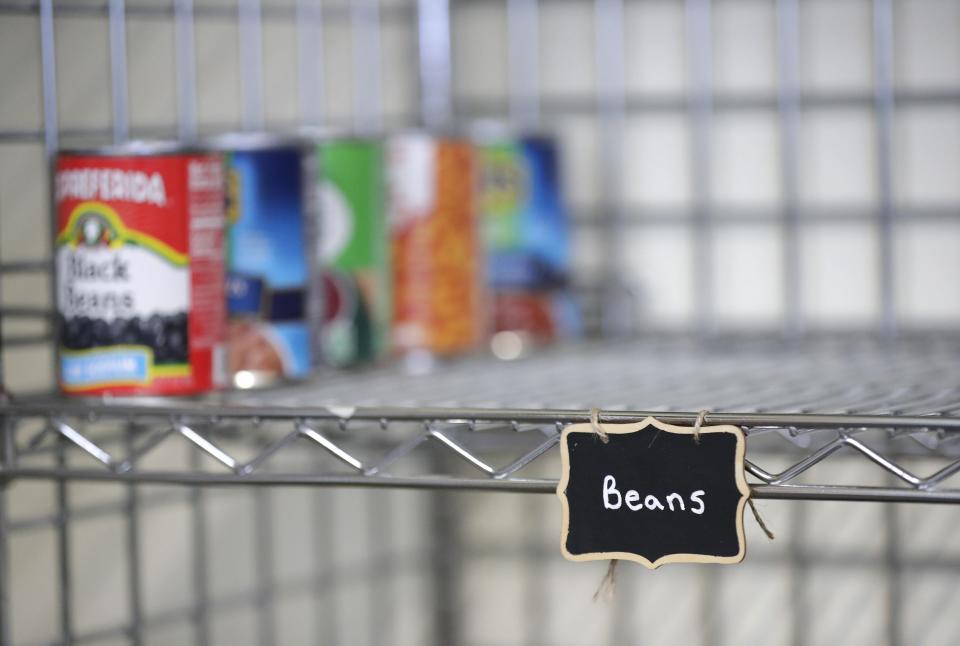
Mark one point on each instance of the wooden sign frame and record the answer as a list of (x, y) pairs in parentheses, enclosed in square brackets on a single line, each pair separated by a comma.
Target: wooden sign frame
[(617, 429)]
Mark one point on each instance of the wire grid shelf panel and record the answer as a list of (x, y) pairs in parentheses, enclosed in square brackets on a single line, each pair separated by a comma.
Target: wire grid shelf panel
[(495, 425)]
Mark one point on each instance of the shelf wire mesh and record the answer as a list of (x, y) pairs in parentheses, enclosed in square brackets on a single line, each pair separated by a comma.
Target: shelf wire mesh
[(890, 403)]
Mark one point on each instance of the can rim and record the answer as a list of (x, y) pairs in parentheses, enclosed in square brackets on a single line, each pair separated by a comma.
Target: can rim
[(457, 135), (138, 148), (493, 132), (253, 141), (319, 135)]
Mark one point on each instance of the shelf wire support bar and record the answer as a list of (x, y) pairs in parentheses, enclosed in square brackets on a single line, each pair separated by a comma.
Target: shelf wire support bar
[(269, 451), (83, 443), (332, 448), (528, 457), (460, 450), (153, 440), (207, 446)]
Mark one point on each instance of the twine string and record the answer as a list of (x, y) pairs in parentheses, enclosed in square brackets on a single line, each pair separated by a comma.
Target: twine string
[(759, 519), (595, 425), (701, 420), (697, 425), (608, 583)]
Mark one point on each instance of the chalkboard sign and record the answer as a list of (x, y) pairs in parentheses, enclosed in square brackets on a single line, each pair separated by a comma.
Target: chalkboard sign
[(652, 494)]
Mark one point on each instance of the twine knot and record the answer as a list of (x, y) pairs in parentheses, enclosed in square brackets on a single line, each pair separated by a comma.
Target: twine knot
[(595, 425)]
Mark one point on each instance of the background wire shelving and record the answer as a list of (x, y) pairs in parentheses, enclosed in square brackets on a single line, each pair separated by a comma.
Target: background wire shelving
[(112, 500)]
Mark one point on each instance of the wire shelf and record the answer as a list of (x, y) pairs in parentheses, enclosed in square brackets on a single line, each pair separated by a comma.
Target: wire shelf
[(487, 424)]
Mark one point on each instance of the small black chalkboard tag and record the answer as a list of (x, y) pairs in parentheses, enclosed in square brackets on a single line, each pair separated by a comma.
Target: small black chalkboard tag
[(652, 494)]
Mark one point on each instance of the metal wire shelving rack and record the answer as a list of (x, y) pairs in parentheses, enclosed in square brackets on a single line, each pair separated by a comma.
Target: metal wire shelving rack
[(887, 403), (886, 398)]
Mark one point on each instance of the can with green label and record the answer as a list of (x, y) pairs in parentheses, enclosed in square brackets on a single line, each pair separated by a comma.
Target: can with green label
[(353, 250)]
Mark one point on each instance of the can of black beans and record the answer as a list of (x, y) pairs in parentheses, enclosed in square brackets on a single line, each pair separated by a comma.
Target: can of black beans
[(140, 270)]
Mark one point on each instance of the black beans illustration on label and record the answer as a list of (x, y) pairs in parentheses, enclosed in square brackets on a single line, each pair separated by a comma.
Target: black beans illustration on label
[(166, 335)]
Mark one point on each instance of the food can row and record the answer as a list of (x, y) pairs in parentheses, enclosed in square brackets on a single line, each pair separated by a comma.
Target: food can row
[(255, 258)]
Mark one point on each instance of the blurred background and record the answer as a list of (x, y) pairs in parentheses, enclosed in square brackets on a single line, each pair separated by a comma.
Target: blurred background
[(771, 167)]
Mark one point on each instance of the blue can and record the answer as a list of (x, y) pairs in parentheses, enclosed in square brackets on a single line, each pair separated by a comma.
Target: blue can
[(271, 233), (526, 226), (527, 233)]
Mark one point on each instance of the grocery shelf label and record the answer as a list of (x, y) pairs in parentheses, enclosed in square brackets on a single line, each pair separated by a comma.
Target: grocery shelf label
[(652, 493)]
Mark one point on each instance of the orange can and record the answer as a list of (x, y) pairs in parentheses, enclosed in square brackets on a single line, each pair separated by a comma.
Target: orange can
[(438, 260)]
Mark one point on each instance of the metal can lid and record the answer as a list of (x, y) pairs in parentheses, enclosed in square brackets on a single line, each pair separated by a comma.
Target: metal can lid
[(486, 132), (253, 141), (320, 135), (138, 148), (449, 136)]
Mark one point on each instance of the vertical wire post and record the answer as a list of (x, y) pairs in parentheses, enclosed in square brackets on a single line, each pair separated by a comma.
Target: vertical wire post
[(3, 389), (310, 61), (133, 552), (264, 568), (799, 564), (884, 109), (523, 42), (65, 575), (379, 526), (699, 36), (788, 102), (611, 110), (249, 24), (186, 70), (710, 616), (446, 599), (48, 78), (535, 606), (51, 140), (367, 100), (444, 525), (201, 585), (891, 518), (116, 16), (894, 565), (6, 462), (433, 25), (322, 517)]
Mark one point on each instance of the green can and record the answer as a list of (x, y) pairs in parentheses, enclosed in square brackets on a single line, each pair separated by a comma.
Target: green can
[(353, 249)]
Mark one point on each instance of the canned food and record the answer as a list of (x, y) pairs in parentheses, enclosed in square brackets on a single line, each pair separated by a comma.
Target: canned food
[(526, 227), (139, 270), (271, 223), (527, 233), (437, 253), (354, 252)]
